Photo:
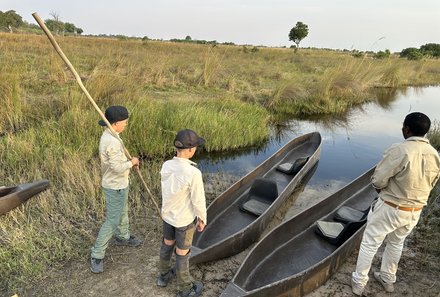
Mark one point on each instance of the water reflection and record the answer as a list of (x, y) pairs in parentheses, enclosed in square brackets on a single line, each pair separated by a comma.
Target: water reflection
[(352, 143), (384, 96)]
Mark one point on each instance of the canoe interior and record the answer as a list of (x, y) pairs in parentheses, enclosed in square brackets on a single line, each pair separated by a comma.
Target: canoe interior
[(6, 191), (294, 248), (228, 219)]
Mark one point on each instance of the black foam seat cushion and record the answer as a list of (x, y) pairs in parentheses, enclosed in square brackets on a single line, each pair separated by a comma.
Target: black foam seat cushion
[(330, 229), (255, 206), (337, 232), (333, 232), (348, 214), (347, 221), (292, 168), (261, 195)]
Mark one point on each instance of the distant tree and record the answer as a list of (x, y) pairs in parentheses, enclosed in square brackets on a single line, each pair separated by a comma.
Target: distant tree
[(9, 20), (382, 54), (121, 37), (358, 54), (55, 16), (31, 26), (55, 24), (411, 53), (69, 28), (431, 49), (298, 33), (188, 38)]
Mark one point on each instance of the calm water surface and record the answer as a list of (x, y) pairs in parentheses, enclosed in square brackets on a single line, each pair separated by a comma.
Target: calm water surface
[(350, 146)]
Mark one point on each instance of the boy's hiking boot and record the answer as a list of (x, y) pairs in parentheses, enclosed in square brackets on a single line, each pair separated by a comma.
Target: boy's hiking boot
[(357, 289), (389, 287), (164, 279), (97, 265), (132, 241), (194, 291)]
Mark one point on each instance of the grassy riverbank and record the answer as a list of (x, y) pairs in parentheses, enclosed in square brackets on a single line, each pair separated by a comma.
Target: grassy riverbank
[(49, 130)]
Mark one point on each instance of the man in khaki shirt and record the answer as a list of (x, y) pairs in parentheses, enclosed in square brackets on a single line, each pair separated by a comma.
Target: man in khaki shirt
[(403, 178), (115, 170)]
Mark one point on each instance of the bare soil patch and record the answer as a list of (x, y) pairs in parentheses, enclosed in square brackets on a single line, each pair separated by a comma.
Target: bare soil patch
[(132, 271)]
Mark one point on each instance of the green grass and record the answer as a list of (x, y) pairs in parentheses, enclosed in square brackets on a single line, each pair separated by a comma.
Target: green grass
[(427, 233), (48, 129), (434, 135)]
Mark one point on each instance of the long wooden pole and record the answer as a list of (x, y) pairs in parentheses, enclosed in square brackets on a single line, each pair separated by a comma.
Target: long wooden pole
[(83, 88)]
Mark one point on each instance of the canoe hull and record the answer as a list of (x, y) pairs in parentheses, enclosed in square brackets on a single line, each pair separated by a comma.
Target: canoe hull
[(292, 260), (11, 197), (224, 213)]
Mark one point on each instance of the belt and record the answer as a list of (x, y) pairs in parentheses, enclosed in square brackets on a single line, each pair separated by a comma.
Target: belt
[(404, 208)]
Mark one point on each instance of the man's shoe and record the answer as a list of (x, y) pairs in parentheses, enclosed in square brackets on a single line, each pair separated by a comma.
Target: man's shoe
[(164, 279), (132, 241), (195, 290), (389, 287), (357, 288), (97, 265)]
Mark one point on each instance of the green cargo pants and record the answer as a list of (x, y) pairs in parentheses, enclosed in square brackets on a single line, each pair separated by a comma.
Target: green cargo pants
[(116, 220)]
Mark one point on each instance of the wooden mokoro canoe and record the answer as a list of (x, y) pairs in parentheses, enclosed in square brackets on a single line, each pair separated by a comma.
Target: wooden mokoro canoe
[(13, 196), (294, 259), (232, 227)]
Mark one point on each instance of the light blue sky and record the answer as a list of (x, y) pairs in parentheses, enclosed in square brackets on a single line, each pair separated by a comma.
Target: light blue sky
[(337, 24)]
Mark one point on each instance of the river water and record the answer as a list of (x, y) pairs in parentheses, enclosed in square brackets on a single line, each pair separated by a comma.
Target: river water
[(351, 144)]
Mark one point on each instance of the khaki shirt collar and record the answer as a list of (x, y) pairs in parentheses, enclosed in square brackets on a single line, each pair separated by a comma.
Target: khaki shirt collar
[(417, 138), (185, 160)]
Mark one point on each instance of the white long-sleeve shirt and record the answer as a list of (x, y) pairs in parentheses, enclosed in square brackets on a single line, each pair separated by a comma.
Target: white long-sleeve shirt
[(115, 166), (183, 195), (407, 172)]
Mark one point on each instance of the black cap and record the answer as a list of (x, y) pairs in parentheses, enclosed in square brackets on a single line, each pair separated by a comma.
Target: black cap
[(187, 139), (115, 114)]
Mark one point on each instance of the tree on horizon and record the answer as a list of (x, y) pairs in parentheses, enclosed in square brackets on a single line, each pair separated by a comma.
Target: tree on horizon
[(9, 20), (298, 33)]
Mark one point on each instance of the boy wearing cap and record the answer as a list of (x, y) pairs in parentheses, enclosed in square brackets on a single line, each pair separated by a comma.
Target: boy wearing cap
[(115, 170), (183, 211)]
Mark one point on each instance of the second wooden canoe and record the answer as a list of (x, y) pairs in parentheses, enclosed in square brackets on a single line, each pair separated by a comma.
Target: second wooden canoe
[(231, 228), (295, 258)]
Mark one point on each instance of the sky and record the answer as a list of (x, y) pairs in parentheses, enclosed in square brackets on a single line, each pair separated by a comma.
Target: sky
[(368, 25)]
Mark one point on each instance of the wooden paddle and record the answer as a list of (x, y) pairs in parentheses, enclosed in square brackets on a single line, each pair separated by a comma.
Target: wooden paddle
[(83, 88)]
